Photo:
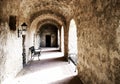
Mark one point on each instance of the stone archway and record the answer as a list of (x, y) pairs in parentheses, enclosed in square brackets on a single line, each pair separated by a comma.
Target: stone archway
[(48, 34), (72, 43)]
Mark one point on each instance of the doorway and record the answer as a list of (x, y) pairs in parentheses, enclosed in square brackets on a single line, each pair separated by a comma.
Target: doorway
[(48, 40)]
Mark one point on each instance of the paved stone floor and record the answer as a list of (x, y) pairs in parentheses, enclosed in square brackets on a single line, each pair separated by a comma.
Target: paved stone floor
[(50, 69)]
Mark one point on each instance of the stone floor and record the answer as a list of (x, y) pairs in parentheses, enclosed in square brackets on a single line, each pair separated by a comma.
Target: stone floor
[(50, 69)]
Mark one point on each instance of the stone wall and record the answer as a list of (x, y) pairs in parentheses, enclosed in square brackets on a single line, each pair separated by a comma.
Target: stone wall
[(3, 39), (11, 53), (98, 51), (10, 44)]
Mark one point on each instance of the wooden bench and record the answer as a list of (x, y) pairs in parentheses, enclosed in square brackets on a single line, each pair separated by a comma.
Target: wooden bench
[(35, 52), (73, 58)]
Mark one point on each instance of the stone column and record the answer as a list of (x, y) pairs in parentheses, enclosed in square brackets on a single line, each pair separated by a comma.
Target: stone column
[(66, 41)]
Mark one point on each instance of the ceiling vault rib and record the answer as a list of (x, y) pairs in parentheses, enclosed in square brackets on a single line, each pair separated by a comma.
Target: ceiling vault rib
[(37, 14)]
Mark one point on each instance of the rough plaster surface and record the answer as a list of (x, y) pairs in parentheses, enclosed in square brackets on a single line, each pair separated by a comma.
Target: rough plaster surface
[(10, 53), (98, 50), (3, 39), (10, 44)]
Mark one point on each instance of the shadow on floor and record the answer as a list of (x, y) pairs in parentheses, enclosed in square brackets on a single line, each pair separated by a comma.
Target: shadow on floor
[(48, 71), (75, 80), (71, 80)]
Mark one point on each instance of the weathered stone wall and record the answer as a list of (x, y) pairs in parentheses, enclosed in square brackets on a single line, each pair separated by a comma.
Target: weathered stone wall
[(10, 44), (11, 53), (3, 39), (98, 51), (14, 59)]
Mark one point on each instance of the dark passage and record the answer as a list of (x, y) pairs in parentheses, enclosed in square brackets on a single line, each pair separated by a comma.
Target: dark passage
[(48, 40)]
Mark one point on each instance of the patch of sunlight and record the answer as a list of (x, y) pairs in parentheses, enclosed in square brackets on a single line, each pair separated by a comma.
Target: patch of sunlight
[(62, 39), (72, 37), (49, 55), (46, 76)]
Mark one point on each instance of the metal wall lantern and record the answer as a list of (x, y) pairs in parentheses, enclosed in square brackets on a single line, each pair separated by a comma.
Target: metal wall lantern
[(23, 30)]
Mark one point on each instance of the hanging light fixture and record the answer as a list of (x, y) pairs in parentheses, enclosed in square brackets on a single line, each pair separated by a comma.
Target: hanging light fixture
[(23, 30)]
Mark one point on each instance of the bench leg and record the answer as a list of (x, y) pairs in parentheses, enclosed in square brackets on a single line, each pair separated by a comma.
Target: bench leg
[(31, 56), (38, 56), (75, 68), (68, 61)]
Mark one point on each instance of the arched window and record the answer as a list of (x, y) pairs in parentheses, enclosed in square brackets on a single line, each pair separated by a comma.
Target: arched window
[(72, 37)]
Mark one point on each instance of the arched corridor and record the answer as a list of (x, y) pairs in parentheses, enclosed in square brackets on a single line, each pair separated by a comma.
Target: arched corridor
[(41, 36), (49, 36)]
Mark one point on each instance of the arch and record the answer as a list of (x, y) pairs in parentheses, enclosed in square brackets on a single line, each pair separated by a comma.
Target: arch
[(47, 36), (72, 43), (45, 18), (41, 18), (45, 12), (47, 21)]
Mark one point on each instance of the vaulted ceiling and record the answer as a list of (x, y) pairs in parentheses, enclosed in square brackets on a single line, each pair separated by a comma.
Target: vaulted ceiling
[(56, 12)]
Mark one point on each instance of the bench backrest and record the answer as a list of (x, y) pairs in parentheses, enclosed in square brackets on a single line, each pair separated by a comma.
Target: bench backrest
[(32, 49)]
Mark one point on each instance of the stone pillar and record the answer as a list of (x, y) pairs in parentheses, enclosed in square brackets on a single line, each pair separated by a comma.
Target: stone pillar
[(66, 41), (62, 39)]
